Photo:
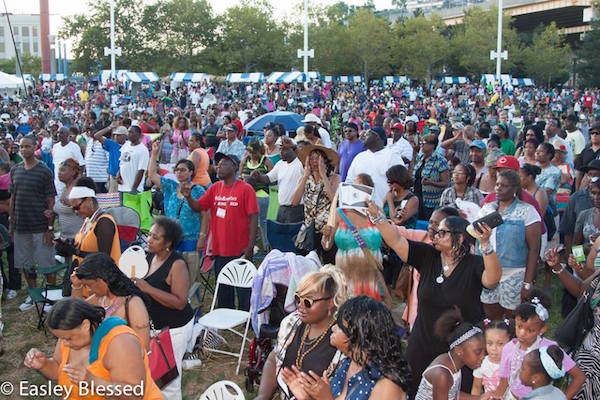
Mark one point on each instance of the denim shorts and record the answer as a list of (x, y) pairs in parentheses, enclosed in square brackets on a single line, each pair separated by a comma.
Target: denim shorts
[(507, 293)]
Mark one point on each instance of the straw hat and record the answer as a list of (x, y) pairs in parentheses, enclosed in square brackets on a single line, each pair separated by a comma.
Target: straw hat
[(331, 155)]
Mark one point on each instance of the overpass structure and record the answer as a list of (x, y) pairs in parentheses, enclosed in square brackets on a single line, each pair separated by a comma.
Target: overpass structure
[(572, 17)]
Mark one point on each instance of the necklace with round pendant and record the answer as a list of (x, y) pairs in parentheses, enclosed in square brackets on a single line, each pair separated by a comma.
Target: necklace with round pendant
[(440, 278)]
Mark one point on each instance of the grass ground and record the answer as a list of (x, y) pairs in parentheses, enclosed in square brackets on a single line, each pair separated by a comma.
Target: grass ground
[(20, 334)]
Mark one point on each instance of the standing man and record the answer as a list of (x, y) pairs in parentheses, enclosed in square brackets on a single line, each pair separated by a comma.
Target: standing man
[(349, 148), (552, 130), (32, 223), (61, 151), (399, 145), (574, 135), (133, 163), (233, 222), (210, 133), (590, 153), (113, 147), (286, 174), (477, 156), (232, 145)]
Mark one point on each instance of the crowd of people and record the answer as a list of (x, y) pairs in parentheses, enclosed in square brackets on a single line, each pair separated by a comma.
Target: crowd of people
[(412, 298)]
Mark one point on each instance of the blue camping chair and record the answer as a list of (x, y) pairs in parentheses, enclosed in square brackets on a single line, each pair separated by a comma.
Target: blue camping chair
[(281, 236)]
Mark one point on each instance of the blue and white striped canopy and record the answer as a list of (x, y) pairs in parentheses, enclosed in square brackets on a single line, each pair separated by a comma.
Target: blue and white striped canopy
[(505, 79), (188, 77), (141, 77), (327, 78), (52, 77), (523, 82), (104, 75), (455, 80), (288, 77), (350, 79), (396, 79), (252, 77)]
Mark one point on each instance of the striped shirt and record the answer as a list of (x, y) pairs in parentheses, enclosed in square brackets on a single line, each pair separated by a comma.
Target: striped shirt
[(96, 161), (31, 189)]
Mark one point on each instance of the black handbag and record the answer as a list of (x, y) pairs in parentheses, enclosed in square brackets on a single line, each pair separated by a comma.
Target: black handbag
[(575, 326), (305, 239)]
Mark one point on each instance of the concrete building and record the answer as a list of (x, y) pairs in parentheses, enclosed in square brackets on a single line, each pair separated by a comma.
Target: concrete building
[(26, 28)]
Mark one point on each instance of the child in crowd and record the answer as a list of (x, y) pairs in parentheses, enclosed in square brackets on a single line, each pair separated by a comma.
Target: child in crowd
[(540, 368), (486, 377), (530, 325), (466, 348)]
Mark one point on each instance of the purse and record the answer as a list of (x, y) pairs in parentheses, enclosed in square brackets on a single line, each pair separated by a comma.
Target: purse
[(575, 326), (161, 358), (305, 239)]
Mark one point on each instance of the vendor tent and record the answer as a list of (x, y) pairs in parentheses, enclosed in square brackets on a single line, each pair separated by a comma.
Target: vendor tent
[(52, 77), (505, 79), (252, 77), (455, 80), (187, 77), (8, 81), (104, 75), (522, 82), (327, 78), (141, 77), (396, 79), (350, 79)]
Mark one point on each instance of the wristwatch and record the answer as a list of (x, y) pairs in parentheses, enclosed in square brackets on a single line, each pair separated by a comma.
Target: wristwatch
[(527, 285), (50, 228), (562, 268)]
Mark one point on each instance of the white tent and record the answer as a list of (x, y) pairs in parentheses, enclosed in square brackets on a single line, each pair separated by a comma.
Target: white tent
[(8, 81)]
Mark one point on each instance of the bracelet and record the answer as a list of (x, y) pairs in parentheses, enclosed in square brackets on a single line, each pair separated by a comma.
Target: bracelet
[(527, 285), (562, 268), (486, 251), (377, 219)]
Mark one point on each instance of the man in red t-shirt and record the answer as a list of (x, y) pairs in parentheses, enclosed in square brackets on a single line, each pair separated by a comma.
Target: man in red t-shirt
[(233, 222)]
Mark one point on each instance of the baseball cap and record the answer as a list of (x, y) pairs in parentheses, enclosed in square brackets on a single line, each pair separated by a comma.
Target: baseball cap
[(219, 156), (121, 130), (560, 147), (480, 144), (398, 126), (594, 164), (458, 125), (508, 162), (381, 132)]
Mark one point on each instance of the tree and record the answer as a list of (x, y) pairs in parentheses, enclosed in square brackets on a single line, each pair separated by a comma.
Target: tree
[(589, 64), (91, 33), (477, 35), (420, 47), (250, 40), (30, 64), (369, 41), (547, 59)]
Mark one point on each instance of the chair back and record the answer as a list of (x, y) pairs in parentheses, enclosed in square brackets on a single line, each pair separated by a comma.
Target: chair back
[(223, 390), (237, 273), (281, 236)]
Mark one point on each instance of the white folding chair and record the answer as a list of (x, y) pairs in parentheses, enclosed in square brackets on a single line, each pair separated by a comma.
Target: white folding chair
[(238, 273), (223, 390)]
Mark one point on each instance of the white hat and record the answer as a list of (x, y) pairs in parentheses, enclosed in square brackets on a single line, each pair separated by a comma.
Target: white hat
[(121, 130), (4, 117), (81, 192), (310, 117)]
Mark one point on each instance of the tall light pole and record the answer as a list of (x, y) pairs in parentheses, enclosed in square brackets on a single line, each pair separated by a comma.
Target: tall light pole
[(113, 52), (499, 54), (306, 53)]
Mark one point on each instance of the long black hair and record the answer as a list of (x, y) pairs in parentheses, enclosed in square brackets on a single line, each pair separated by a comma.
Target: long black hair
[(373, 340), (101, 266), (69, 313), (458, 227)]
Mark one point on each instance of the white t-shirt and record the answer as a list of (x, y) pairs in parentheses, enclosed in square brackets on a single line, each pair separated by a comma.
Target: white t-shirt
[(375, 165), (287, 176), (133, 159), (488, 373), (325, 139), (402, 148), (61, 153), (576, 140)]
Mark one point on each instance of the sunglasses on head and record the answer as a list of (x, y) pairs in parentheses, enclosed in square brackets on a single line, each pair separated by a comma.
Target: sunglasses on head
[(306, 301)]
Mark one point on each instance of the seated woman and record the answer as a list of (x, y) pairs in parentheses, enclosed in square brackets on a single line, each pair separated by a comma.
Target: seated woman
[(168, 283), (463, 177), (93, 350), (374, 367), (402, 205), (113, 291), (318, 297)]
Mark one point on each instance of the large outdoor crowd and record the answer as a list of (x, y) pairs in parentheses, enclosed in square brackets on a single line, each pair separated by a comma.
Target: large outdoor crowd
[(401, 295)]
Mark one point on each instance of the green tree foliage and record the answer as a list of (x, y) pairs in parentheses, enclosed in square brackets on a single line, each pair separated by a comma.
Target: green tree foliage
[(30, 65), (473, 40), (420, 46), (588, 66), (547, 59)]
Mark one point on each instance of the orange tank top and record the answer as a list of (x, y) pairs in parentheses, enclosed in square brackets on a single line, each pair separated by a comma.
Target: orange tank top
[(151, 391), (86, 239)]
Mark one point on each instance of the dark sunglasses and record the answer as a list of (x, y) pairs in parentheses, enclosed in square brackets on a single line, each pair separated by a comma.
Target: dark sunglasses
[(594, 132), (307, 302), (78, 206)]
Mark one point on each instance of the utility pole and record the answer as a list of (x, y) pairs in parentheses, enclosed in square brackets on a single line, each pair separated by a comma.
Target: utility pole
[(499, 54), (113, 52), (306, 53)]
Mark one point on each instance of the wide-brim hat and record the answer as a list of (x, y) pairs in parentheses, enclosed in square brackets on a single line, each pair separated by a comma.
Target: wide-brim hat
[(331, 155)]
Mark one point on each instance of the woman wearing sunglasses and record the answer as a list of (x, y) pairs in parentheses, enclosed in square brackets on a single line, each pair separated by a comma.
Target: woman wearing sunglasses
[(374, 366), (304, 336), (449, 275)]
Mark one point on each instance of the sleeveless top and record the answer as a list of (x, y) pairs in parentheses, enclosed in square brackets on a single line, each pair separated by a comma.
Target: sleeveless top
[(317, 360), (86, 239), (160, 315), (261, 189), (409, 223), (103, 338), (425, 391), (69, 223), (360, 385)]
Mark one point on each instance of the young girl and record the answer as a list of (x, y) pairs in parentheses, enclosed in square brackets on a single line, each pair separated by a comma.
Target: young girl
[(541, 367), (486, 377), (466, 348), (530, 325)]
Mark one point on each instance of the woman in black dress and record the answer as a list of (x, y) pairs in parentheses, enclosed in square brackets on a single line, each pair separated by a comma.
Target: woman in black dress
[(450, 275)]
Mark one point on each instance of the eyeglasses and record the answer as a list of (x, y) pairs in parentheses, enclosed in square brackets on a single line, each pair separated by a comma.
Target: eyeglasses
[(594, 132), (181, 170), (78, 206), (442, 232), (307, 302), (423, 142)]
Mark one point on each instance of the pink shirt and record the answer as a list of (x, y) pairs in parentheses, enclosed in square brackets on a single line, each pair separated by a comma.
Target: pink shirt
[(512, 358)]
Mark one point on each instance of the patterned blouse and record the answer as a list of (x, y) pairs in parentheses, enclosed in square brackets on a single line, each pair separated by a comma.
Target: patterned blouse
[(316, 204), (432, 169), (471, 194)]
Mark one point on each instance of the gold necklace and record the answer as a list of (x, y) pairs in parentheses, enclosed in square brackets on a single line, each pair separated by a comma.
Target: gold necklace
[(301, 355)]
